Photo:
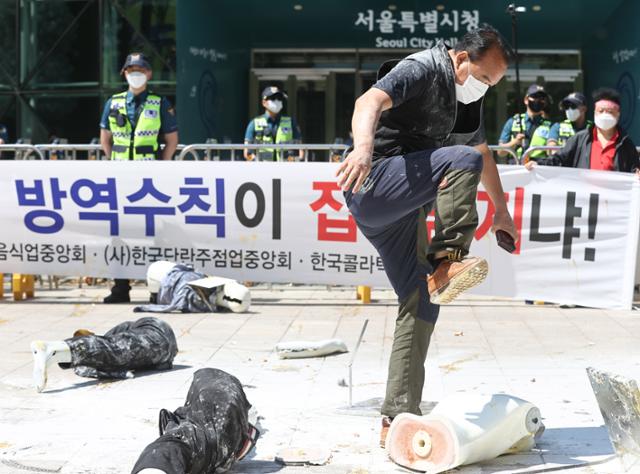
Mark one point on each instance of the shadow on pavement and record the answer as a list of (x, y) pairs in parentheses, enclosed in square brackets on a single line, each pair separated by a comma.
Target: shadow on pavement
[(138, 374)]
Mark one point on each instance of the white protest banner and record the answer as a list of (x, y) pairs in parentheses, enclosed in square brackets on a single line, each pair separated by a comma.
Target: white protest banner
[(579, 236), (287, 222)]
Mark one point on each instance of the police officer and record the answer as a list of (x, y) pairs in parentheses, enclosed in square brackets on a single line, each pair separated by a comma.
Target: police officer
[(130, 129), (531, 128), (575, 108), (271, 127)]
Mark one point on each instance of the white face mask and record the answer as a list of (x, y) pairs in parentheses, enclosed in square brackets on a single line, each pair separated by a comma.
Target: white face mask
[(471, 90), (136, 79), (274, 106), (605, 121), (572, 114)]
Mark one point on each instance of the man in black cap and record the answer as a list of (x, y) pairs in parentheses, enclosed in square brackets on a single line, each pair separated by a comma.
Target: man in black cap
[(130, 129), (271, 127), (529, 129), (575, 108)]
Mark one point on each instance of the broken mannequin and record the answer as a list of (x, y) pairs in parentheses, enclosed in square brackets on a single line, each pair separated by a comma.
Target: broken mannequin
[(206, 435), (463, 429), (148, 343), (176, 287)]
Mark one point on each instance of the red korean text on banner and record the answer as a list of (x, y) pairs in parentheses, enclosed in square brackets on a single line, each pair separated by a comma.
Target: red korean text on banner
[(332, 229)]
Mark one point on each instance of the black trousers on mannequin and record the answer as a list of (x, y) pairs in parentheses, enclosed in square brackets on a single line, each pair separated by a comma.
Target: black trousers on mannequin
[(204, 435), (148, 343)]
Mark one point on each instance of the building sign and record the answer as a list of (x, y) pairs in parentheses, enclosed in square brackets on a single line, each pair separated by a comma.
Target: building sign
[(411, 29)]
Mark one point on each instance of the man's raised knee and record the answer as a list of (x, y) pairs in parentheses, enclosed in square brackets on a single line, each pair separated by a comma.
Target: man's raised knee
[(469, 158)]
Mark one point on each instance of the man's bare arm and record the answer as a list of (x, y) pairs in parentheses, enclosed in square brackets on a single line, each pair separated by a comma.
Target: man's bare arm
[(170, 145), (491, 181), (248, 154), (106, 141), (357, 165)]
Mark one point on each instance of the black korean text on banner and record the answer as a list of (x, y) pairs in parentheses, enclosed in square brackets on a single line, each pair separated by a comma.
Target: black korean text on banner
[(198, 257), (257, 192), (570, 231)]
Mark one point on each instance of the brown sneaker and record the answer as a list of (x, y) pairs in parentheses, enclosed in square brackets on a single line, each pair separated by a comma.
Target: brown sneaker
[(386, 423), (455, 276)]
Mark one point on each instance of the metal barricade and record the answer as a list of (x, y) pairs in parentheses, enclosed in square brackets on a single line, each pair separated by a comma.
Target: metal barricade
[(191, 150), (23, 151), (528, 151), (70, 150), (509, 150)]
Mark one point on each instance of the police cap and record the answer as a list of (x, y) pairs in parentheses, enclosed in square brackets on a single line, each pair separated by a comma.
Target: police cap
[(575, 99), (536, 89), (136, 59), (273, 91)]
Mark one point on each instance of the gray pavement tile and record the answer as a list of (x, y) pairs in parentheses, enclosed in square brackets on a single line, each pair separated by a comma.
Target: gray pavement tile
[(481, 345)]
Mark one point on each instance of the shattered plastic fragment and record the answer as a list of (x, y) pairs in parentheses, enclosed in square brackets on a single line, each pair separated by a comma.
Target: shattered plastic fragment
[(302, 349)]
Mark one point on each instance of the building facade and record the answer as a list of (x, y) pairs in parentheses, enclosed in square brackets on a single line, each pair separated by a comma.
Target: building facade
[(62, 58)]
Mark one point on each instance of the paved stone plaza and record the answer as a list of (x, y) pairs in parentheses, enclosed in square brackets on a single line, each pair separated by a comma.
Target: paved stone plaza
[(538, 353)]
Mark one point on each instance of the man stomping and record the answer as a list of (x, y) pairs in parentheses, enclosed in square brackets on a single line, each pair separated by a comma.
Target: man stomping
[(208, 434), (419, 140), (148, 343)]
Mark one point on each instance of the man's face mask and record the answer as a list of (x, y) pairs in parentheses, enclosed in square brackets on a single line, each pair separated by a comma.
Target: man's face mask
[(274, 105), (605, 121), (572, 114), (472, 89), (136, 79), (536, 104), (606, 114)]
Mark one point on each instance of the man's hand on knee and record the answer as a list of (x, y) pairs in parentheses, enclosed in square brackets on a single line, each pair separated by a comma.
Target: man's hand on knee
[(354, 170)]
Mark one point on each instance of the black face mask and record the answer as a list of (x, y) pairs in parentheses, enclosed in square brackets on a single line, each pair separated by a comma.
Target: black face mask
[(536, 105)]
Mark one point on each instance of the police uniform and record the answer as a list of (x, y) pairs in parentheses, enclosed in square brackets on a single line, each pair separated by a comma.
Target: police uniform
[(564, 130), (136, 121), (266, 129), (535, 128)]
